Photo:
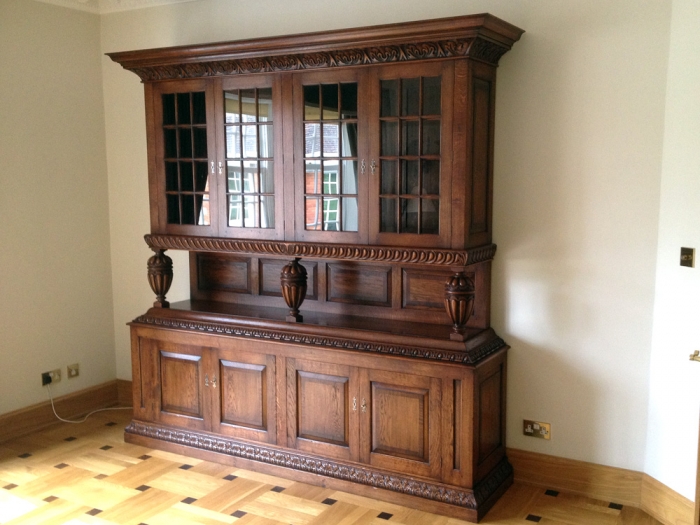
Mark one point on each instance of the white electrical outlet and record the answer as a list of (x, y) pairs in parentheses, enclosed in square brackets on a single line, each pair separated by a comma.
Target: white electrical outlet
[(73, 370)]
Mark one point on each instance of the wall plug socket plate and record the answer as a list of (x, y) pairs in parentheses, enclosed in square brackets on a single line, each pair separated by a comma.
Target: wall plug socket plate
[(73, 370), (53, 376), (537, 429)]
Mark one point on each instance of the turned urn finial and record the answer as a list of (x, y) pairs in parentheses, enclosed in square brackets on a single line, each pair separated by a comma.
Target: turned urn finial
[(160, 277), (293, 279), (459, 303)]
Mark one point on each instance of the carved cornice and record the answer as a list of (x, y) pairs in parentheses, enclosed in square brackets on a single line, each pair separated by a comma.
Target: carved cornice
[(476, 48), (346, 252), (333, 469), (467, 357)]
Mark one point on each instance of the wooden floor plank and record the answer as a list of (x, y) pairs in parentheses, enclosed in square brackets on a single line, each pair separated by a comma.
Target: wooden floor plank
[(86, 474)]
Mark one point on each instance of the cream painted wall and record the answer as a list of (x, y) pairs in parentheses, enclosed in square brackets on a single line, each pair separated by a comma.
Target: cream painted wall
[(580, 120), (56, 306), (674, 408)]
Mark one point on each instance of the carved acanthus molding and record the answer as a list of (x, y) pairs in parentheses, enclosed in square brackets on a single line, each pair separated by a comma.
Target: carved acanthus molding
[(467, 357), (476, 48), (333, 469), (344, 252)]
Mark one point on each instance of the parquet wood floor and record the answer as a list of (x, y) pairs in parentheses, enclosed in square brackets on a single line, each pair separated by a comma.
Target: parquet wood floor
[(79, 474)]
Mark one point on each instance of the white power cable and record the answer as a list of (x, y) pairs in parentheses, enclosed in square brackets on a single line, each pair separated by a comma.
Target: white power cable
[(48, 388)]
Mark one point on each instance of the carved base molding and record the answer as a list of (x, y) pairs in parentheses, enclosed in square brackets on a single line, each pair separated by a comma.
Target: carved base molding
[(477, 500)]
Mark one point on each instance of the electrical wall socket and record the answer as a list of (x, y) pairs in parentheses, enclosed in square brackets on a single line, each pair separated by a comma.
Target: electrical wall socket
[(73, 370), (53, 376), (537, 429)]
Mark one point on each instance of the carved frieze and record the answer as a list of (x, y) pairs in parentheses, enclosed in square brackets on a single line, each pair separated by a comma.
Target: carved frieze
[(345, 252), (476, 48), (333, 469), (467, 357)]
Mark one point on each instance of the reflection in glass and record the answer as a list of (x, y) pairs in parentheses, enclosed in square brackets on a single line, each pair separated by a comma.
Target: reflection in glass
[(431, 96), (313, 213), (313, 177), (170, 138), (186, 179), (233, 142), (312, 97), (388, 216), (183, 108), (201, 176), (409, 177), (248, 107), (199, 108), (431, 177), (349, 177), (390, 98), (409, 137), (312, 134), (409, 215), (331, 142), (185, 142), (388, 176), (431, 137), (173, 205), (390, 138), (349, 142), (267, 177), (235, 211), (187, 208), (250, 141), (232, 106), (249, 169), (410, 96), (430, 216), (267, 211), (331, 178), (265, 105), (171, 178), (331, 214), (168, 109), (266, 144), (251, 211), (329, 96), (348, 100), (349, 214), (200, 143)]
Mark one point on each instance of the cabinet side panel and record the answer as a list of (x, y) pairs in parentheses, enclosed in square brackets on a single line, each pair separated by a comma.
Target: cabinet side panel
[(480, 156), (489, 415)]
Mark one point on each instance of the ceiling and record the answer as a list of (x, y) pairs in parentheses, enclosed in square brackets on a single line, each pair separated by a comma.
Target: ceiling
[(110, 6)]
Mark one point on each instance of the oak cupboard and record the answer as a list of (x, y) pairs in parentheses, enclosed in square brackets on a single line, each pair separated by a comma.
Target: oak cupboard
[(334, 191)]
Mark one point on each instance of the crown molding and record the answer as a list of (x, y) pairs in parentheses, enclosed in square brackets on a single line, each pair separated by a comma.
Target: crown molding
[(101, 7)]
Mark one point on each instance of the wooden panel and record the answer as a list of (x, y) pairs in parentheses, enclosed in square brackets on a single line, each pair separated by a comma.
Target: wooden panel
[(243, 394), (425, 289), (271, 269), (226, 273), (322, 402), (490, 401), (359, 284), (400, 421), (480, 155), (180, 384)]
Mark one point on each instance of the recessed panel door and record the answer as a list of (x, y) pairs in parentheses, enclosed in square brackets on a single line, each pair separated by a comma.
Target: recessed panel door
[(402, 424), (323, 408), (244, 397)]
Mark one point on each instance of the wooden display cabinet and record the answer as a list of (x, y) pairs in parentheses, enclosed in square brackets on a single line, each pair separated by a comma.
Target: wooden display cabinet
[(334, 191)]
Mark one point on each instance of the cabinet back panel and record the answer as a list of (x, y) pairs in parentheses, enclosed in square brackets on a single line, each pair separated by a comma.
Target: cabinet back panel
[(223, 273), (359, 284), (269, 275)]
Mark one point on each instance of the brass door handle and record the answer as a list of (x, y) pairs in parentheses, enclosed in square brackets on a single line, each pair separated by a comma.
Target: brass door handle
[(695, 356)]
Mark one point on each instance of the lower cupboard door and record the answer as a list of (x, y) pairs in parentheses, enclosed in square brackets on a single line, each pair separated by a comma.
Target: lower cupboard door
[(244, 401), (322, 408), (402, 431)]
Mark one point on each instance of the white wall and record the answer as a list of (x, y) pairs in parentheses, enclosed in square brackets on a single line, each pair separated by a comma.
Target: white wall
[(56, 306), (672, 437), (580, 116)]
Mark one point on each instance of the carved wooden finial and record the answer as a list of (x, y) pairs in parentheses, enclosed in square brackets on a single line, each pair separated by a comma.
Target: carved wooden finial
[(293, 279), (160, 277), (459, 303)]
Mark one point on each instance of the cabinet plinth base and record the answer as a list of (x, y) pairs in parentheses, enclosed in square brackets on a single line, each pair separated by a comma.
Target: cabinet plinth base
[(431, 496)]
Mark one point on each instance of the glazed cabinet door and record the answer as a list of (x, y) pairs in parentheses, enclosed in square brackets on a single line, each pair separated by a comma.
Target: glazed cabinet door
[(323, 408), (174, 383), (328, 134), (401, 422), (410, 111), (244, 395), (249, 157), (182, 157)]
